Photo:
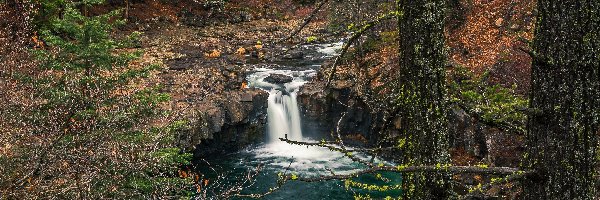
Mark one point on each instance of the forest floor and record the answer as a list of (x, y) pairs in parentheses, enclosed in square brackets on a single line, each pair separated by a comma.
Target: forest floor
[(203, 66)]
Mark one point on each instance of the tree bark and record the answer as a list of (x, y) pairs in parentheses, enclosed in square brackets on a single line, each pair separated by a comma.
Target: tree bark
[(424, 136), (126, 9), (562, 137)]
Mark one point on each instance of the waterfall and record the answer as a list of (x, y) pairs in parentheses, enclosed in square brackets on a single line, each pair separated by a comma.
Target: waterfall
[(283, 116), (283, 112)]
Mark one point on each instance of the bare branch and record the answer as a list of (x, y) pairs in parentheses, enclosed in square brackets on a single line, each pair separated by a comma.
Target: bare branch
[(331, 145), (510, 178), (404, 169), (283, 179), (353, 38), (306, 21), (412, 169)]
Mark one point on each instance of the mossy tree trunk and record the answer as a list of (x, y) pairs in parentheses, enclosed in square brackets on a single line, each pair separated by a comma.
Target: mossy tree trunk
[(565, 98), (422, 85)]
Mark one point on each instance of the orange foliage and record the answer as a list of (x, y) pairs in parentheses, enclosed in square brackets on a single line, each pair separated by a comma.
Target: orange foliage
[(38, 44), (213, 54), (490, 28), (240, 51)]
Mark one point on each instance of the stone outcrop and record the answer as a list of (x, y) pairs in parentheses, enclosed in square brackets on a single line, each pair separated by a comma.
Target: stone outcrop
[(294, 55), (226, 124), (488, 144), (278, 79), (323, 108)]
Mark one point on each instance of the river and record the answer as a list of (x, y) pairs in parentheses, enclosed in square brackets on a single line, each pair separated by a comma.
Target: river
[(276, 157)]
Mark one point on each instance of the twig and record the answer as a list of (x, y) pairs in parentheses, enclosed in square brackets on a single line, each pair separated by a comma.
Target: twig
[(510, 178), (330, 145), (353, 38), (280, 183), (306, 21), (428, 168)]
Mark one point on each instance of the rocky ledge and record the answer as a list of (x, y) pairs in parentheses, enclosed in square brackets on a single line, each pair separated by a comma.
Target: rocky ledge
[(204, 72), (226, 124), (475, 141), (278, 79)]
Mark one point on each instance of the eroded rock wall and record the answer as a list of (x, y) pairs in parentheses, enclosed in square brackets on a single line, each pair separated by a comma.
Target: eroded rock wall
[(226, 124), (480, 142)]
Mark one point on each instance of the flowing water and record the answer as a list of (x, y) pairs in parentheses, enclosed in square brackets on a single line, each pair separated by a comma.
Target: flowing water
[(275, 156)]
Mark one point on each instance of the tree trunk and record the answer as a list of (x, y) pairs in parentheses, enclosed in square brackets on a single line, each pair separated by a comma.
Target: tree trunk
[(562, 134), (126, 9), (422, 84)]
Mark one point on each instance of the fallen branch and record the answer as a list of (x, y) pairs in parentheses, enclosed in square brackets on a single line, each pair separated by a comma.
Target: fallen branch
[(331, 145), (510, 178), (353, 38), (307, 20), (444, 168), (413, 169)]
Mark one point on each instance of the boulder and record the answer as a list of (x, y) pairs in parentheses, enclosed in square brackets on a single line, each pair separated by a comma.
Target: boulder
[(294, 55), (278, 79)]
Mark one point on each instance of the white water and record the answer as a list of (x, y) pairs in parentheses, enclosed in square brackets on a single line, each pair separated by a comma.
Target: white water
[(283, 117), (283, 113), (330, 50)]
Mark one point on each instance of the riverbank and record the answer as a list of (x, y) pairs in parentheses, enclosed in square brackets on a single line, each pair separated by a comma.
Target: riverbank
[(204, 69)]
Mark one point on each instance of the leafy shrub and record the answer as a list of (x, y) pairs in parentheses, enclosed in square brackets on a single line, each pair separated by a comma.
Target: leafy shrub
[(493, 103)]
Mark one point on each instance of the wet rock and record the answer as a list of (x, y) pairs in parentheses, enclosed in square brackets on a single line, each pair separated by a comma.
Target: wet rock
[(232, 121), (278, 79), (294, 54), (283, 91), (323, 108)]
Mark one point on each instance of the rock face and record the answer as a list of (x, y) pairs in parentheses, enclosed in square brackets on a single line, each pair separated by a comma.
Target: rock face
[(486, 144), (294, 54), (322, 110), (489, 144), (226, 124), (278, 79), (464, 133)]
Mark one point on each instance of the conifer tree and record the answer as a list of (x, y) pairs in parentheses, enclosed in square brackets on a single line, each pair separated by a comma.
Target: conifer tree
[(422, 96), (90, 110), (562, 135)]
